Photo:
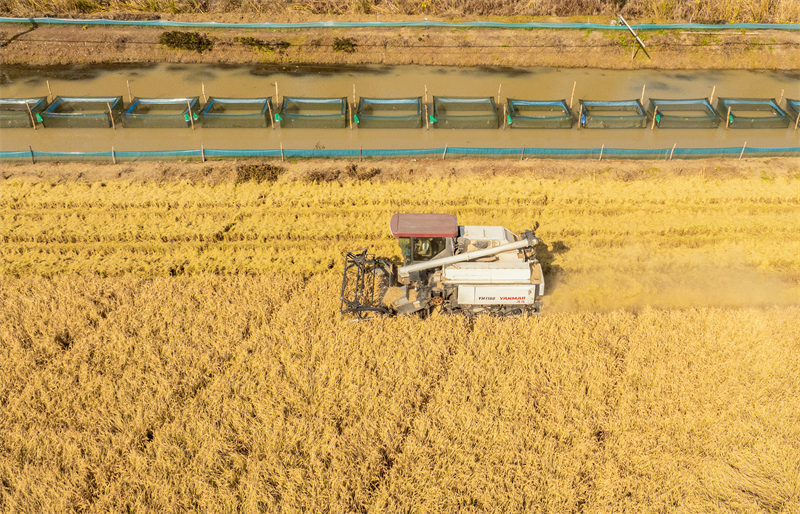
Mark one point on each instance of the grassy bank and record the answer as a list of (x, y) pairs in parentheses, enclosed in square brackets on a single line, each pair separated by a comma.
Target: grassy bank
[(708, 11), (71, 45)]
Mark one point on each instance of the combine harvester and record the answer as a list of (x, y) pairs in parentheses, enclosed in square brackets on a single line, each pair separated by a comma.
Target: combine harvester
[(447, 268)]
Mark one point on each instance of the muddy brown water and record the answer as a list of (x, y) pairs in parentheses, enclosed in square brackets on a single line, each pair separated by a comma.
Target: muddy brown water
[(169, 80)]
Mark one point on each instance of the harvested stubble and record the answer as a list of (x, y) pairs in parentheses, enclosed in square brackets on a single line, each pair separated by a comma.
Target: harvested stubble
[(250, 393), (671, 242)]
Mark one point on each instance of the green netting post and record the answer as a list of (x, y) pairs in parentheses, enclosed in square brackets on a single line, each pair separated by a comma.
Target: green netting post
[(271, 118), (33, 123), (190, 115)]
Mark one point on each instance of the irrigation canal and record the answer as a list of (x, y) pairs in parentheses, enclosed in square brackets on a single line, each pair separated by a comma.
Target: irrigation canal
[(170, 80)]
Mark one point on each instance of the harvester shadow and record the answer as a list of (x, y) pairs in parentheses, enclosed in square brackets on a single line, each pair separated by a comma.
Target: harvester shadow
[(547, 256), (13, 38)]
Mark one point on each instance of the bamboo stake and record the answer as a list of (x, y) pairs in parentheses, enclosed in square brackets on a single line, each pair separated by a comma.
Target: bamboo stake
[(743, 147), (32, 161), (428, 126), (281, 151), (111, 115), (522, 155), (276, 94), (781, 98), (498, 93), (350, 115), (130, 97), (655, 113), (580, 115), (205, 98), (796, 121), (271, 117), (354, 95), (203, 152), (426, 94), (601, 152), (642, 100), (33, 121), (572, 96), (443, 153), (505, 114), (113, 156), (191, 119), (50, 91), (673, 151), (728, 118), (714, 90)]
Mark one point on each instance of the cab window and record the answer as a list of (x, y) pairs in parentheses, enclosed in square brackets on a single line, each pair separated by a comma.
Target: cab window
[(426, 248), (405, 248)]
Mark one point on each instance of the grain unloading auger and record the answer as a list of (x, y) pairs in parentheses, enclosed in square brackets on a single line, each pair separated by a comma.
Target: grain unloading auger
[(447, 267)]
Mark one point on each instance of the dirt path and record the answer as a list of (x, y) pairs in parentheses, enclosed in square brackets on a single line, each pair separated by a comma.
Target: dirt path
[(49, 45), (401, 169)]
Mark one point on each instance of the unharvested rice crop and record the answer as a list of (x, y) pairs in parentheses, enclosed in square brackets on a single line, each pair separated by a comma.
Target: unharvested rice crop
[(177, 346)]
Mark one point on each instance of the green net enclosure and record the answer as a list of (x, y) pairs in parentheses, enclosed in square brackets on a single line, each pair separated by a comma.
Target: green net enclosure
[(793, 109), (744, 113), (690, 113), (463, 112), (539, 114), (15, 113), (236, 113), (83, 112), (162, 113), (612, 114), (300, 112), (389, 113)]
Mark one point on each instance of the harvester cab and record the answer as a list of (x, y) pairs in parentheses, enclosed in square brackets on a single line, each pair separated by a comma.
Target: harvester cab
[(446, 267)]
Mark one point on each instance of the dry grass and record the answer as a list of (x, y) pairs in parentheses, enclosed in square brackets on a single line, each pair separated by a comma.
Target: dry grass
[(708, 11), (652, 383)]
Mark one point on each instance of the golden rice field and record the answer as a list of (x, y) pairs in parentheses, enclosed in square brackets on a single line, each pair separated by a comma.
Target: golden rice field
[(173, 346)]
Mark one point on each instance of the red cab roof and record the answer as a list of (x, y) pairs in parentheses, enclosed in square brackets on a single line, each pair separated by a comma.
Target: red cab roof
[(424, 225)]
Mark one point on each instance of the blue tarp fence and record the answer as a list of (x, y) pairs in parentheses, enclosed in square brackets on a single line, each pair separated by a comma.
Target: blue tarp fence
[(422, 23), (433, 153)]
